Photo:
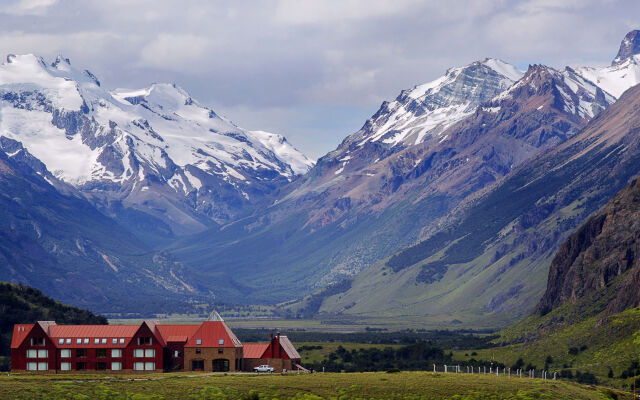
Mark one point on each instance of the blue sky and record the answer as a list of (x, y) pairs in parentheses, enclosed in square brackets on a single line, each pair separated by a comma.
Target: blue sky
[(311, 70)]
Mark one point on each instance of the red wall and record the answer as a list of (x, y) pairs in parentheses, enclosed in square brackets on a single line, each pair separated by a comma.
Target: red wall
[(19, 356)]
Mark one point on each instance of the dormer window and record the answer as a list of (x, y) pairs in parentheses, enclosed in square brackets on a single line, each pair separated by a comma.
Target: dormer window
[(61, 341), (121, 340), (96, 341), (68, 341), (103, 341), (86, 341), (220, 342), (198, 341), (79, 341)]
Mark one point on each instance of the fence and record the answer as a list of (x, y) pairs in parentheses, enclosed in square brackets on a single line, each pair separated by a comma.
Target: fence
[(532, 373)]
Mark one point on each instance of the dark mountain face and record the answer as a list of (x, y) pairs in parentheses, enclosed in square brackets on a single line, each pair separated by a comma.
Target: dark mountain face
[(55, 240), (629, 47), (333, 225), (602, 253)]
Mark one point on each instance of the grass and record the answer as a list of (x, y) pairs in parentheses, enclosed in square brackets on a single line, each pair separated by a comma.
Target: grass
[(400, 386)]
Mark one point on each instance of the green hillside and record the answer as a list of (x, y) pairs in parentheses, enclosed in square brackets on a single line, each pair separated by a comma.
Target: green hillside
[(21, 304)]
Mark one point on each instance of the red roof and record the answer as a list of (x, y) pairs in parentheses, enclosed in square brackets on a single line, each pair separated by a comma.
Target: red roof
[(254, 350), (20, 331), (92, 332), (176, 333), (213, 334)]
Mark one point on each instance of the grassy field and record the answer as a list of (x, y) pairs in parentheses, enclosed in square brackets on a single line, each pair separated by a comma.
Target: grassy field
[(400, 386)]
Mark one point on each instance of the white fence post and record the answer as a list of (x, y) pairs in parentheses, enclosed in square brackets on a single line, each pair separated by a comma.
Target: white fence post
[(445, 368)]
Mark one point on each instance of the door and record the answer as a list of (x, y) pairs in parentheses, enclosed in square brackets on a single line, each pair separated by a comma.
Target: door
[(220, 365)]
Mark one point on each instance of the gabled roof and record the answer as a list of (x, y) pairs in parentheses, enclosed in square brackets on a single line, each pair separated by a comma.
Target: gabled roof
[(254, 350), (210, 333), (289, 348), (92, 332), (177, 333), (20, 332)]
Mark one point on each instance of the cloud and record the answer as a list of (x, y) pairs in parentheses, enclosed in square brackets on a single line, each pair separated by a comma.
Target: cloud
[(28, 7), (175, 52)]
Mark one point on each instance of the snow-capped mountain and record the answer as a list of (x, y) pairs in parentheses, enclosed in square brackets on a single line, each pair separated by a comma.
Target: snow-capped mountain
[(624, 71), (155, 150)]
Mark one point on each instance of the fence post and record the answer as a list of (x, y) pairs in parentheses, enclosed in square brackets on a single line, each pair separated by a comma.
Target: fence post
[(445, 368)]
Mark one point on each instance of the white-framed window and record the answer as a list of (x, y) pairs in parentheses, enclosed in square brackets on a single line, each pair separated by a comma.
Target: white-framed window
[(65, 366), (114, 341), (150, 366), (96, 341), (86, 341), (65, 353), (79, 341), (198, 341), (43, 353), (116, 366), (32, 353), (32, 366), (121, 340), (61, 341), (116, 353), (68, 340), (43, 366), (138, 366), (220, 342), (103, 341), (138, 353), (149, 353)]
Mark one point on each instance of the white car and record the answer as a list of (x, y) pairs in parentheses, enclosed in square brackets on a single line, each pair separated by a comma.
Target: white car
[(264, 368)]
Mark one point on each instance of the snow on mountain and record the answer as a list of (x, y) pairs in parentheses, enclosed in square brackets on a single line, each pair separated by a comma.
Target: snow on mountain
[(115, 145), (624, 71)]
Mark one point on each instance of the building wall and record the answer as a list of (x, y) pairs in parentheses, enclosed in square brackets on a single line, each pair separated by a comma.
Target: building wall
[(172, 363), (208, 354), (144, 331), (19, 356)]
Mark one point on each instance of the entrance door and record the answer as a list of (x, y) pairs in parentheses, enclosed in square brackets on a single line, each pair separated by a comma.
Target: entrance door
[(197, 365), (220, 365)]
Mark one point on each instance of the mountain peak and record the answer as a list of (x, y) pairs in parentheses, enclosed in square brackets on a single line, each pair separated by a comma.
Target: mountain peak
[(629, 47)]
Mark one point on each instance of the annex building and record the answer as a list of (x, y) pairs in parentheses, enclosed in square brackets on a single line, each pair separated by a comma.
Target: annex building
[(210, 346)]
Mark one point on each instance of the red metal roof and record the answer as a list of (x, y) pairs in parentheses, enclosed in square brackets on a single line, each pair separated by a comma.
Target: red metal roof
[(254, 350), (177, 333), (92, 332), (210, 333), (20, 331)]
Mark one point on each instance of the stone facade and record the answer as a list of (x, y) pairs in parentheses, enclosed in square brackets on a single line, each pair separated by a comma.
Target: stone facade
[(205, 360)]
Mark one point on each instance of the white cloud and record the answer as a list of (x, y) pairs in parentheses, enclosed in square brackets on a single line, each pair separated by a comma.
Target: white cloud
[(28, 7)]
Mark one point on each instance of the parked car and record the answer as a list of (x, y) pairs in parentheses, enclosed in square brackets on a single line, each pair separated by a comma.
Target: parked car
[(264, 368)]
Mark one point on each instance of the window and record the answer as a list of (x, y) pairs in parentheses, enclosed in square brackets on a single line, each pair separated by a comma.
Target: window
[(116, 353), (32, 353), (65, 366), (198, 341), (103, 341), (86, 341), (197, 365), (150, 353), (138, 352), (101, 353), (37, 341), (68, 341), (80, 353), (43, 353), (116, 366), (121, 340), (176, 354), (31, 366), (221, 342), (114, 341), (43, 366), (198, 351), (146, 341), (65, 353), (78, 341), (81, 366), (220, 351), (96, 341), (150, 366), (138, 366), (101, 366), (61, 341)]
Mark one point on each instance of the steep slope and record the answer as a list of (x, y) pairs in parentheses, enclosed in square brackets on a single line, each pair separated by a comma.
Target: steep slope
[(153, 157), (22, 305), (488, 262), (343, 216), (55, 240)]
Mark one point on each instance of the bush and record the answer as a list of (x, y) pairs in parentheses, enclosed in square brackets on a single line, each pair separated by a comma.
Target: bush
[(393, 371)]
